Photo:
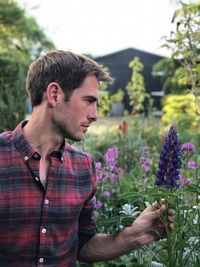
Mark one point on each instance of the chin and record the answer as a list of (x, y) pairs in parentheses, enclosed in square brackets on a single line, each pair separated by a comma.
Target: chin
[(76, 138)]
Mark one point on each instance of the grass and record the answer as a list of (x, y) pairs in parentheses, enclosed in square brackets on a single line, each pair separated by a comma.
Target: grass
[(105, 124)]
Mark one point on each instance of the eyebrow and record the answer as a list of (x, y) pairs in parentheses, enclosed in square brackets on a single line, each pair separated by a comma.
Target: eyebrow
[(91, 97)]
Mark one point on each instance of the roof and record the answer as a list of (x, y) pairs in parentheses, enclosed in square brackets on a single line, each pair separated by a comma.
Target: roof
[(126, 55)]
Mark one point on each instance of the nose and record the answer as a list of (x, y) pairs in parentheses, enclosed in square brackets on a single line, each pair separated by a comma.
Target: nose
[(93, 114)]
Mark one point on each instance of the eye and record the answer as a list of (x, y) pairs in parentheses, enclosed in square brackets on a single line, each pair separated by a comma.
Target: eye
[(90, 100)]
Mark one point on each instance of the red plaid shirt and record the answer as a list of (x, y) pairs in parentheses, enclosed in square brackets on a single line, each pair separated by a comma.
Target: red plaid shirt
[(41, 227)]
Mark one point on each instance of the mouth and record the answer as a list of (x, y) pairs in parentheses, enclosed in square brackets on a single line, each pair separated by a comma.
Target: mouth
[(85, 127)]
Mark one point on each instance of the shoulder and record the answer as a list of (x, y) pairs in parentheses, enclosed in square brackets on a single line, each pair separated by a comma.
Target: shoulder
[(5, 138), (6, 145), (74, 152)]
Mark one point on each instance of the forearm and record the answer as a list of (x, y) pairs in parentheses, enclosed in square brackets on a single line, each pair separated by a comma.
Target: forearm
[(104, 247), (144, 230)]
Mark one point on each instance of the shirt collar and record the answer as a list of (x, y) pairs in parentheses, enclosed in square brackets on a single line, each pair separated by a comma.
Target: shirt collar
[(26, 150)]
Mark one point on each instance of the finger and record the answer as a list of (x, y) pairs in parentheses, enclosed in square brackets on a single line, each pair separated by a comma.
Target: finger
[(170, 219), (171, 226), (170, 216), (158, 213), (170, 212), (155, 206)]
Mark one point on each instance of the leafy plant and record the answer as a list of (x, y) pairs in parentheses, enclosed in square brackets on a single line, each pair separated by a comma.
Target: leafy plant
[(137, 152), (136, 87), (184, 45), (180, 110), (117, 97), (21, 40)]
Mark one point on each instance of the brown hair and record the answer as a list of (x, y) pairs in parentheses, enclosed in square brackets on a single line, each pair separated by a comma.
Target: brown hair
[(66, 68)]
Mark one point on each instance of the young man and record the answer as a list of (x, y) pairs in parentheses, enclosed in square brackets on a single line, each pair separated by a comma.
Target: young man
[(47, 187)]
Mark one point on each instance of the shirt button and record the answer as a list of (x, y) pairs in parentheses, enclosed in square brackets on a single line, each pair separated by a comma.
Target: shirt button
[(37, 179), (46, 201), (44, 231), (35, 155), (61, 159), (26, 158), (41, 260)]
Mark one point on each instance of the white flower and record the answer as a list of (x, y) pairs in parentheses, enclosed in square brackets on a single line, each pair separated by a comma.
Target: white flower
[(130, 210)]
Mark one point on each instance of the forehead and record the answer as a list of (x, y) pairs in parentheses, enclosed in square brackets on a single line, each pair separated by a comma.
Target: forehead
[(90, 86)]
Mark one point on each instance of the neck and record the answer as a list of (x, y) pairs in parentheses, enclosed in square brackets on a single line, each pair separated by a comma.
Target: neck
[(40, 133)]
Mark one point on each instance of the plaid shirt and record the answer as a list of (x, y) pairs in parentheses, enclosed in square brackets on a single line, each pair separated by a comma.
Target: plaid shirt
[(43, 227)]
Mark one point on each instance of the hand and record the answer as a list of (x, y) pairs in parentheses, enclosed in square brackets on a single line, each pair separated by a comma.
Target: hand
[(149, 226)]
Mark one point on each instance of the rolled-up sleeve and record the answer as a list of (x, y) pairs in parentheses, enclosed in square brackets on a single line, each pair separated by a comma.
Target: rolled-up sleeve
[(87, 218)]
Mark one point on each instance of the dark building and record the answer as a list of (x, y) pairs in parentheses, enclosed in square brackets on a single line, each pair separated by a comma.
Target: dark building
[(118, 64)]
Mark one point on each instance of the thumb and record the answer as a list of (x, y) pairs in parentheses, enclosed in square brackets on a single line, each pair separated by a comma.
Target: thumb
[(156, 212)]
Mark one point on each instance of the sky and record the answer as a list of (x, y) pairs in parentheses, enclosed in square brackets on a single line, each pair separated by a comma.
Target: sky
[(100, 27)]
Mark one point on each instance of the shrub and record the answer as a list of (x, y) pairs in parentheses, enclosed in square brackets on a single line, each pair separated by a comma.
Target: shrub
[(12, 91), (180, 110)]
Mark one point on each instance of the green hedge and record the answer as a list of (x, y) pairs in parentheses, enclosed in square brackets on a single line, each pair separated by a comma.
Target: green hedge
[(12, 90)]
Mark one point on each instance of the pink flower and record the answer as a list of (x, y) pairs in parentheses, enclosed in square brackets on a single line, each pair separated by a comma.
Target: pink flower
[(111, 155), (98, 204), (188, 149), (183, 180), (192, 165), (98, 165), (106, 193), (145, 149), (145, 167), (145, 163)]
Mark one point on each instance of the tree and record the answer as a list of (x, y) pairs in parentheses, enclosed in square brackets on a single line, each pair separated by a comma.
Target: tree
[(19, 32), (172, 76), (136, 87), (21, 41), (184, 45)]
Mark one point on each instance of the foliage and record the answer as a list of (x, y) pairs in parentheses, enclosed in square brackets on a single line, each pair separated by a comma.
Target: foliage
[(136, 87), (184, 45), (172, 76), (104, 103), (12, 93), (21, 40), (126, 173), (20, 32), (118, 96), (180, 110)]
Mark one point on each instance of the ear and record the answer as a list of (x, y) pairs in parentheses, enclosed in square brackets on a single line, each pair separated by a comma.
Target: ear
[(54, 93)]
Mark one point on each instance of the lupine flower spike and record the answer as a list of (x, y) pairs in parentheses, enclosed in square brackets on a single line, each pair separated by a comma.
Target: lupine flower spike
[(170, 161)]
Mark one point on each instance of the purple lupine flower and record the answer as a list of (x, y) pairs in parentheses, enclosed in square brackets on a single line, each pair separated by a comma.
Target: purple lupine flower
[(170, 161)]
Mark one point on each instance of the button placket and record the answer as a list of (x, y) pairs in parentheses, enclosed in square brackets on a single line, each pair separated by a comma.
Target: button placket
[(41, 260), (36, 155), (26, 158), (46, 201)]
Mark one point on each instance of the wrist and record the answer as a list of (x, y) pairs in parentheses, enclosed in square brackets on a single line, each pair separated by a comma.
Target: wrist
[(129, 240)]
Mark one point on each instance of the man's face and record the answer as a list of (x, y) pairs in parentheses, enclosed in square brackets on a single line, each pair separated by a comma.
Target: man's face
[(73, 117)]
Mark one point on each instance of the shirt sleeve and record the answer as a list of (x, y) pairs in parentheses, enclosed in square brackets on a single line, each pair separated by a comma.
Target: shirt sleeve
[(87, 218)]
